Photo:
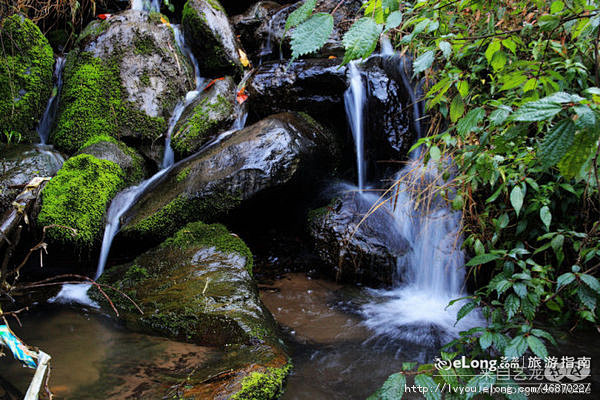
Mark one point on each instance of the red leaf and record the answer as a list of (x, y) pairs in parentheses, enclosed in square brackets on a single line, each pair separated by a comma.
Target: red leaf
[(212, 83), (104, 16), (241, 95)]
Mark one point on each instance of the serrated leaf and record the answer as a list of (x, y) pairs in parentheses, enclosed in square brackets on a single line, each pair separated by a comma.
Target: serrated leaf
[(311, 35), (516, 198), (516, 348), (300, 15), (564, 280), (446, 49), (482, 259), (463, 88), (393, 387), (546, 216), (587, 297), (485, 340), (548, 22), (530, 85), (361, 39), (502, 286), (428, 382), (578, 153), (511, 305), (464, 311), (470, 121), (537, 347), (513, 81), (557, 142), (536, 111), (499, 60), (478, 384), (498, 116), (520, 289), (390, 5), (393, 20), (591, 282), (586, 118), (492, 48), (423, 62), (510, 44), (457, 108), (557, 6)]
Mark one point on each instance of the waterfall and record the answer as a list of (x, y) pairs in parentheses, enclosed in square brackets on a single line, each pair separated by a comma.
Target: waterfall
[(47, 120), (354, 101), (146, 5)]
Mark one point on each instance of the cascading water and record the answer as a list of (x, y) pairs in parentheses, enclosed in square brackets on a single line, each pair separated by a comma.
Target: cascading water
[(354, 101), (431, 273), (146, 5), (47, 120)]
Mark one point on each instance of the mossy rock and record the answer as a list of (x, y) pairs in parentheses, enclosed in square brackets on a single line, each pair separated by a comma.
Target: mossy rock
[(212, 112), (196, 287), (77, 197), (26, 66), (211, 37), (123, 80)]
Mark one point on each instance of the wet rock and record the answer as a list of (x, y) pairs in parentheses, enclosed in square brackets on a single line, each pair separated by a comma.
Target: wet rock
[(107, 148), (263, 156), (123, 80), (315, 85), (21, 163), (355, 247), (211, 38), (246, 25), (343, 19), (214, 111), (196, 287), (26, 65)]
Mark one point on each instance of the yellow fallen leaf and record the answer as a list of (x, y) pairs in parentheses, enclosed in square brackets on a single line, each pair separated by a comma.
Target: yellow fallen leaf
[(164, 21), (243, 58)]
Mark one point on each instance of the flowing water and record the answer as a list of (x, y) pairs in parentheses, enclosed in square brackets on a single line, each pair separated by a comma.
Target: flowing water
[(355, 101), (45, 124), (146, 5)]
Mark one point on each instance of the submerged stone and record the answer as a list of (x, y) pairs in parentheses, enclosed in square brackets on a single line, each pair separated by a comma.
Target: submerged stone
[(263, 156), (211, 37), (214, 111), (123, 79), (26, 65)]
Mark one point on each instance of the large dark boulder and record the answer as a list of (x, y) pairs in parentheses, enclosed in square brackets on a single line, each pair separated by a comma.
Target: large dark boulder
[(211, 38), (314, 85), (25, 78), (263, 156), (123, 79), (360, 243), (19, 164)]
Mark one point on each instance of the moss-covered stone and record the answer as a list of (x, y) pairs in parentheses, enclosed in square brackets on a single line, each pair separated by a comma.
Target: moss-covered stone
[(26, 64), (195, 287), (93, 104), (263, 385), (108, 148), (77, 197)]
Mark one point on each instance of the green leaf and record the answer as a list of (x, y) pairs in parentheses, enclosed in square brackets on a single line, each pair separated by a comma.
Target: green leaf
[(520, 289), (536, 111), (557, 142), (492, 48), (463, 88), (361, 39), (446, 49), (545, 335), (587, 297), (482, 259), (564, 280), (499, 60), (516, 348), (546, 216), (537, 347), (510, 44), (502, 286), (586, 118), (423, 62), (457, 108), (464, 311), (557, 6), (485, 340), (516, 198), (435, 153), (426, 381), (548, 22), (393, 20), (470, 121), (311, 35), (498, 116), (591, 282), (300, 15), (530, 85), (390, 5), (511, 305), (393, 387), (579, 152)]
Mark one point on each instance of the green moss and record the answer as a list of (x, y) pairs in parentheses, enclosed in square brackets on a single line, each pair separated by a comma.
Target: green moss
[(100, 138), (315, 215), (207, 116), (183, 174), (77, 197), (93, 104), (144, 45), (145, 78), (92, 31), (216, 5), (155, 18), (26, 64), (263, 386), (215, 235)]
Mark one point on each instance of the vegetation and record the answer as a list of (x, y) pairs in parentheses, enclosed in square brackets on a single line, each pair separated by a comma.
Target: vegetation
[(512, 88), (263, 386)]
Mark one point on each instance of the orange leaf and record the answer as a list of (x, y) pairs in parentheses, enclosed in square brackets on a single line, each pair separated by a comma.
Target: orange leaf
[(212, 83), (164, 21), (243, 58), (241, 95), (332, 57)]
